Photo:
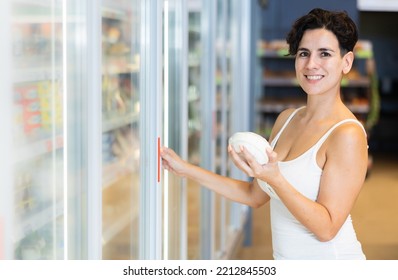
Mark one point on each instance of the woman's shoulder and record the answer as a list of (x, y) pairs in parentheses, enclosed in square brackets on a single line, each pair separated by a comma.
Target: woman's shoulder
[(347, 138), (348, 130), (346, 127)]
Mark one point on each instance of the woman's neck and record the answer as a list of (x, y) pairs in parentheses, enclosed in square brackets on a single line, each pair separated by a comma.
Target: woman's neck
[(323, 109)]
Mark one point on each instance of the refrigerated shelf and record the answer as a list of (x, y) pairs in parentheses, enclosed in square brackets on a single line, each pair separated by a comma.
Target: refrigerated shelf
[(120, 121), (38, 148), (36, 74), (37, 221)]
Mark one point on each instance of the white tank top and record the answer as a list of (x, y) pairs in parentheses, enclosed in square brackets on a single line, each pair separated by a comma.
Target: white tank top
[(290, 239)]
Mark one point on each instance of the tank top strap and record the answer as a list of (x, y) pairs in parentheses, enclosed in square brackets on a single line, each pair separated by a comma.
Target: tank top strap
[(275, 140), (326, 135)]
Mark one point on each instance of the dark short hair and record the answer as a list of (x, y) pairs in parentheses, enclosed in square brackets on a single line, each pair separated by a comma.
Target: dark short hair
[(337, 22)]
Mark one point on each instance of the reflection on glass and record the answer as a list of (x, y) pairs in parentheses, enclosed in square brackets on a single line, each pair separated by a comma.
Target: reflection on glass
[(120, 137), (219, 223), (194, 129), (223, 95), (176, 219), (37, 130)]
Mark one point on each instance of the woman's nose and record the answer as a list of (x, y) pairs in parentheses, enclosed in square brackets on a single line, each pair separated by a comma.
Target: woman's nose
[(312, 62)]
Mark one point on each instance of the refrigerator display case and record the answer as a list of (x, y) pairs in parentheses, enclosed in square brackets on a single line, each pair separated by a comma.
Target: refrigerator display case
[(37, 131), (90, 92)]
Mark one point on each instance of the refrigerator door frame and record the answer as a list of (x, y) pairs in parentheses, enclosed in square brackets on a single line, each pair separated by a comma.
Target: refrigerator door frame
[(222, 47), (240, 121), (94, 131), (6, 180), (207, 141), (82, 130), (150, 220)]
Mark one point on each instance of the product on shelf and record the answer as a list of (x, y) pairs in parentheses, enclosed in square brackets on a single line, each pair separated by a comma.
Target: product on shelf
[(28, 97), (51, 105), (38, 207), (37, 111)]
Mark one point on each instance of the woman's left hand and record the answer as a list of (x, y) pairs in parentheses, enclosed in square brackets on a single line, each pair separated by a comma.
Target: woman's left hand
[(246, 162)]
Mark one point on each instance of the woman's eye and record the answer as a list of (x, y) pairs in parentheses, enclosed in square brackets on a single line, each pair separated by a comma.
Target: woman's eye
[(325, 54), (303, 54)]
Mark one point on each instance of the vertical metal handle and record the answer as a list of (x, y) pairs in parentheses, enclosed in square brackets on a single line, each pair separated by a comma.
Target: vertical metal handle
[(159, 159)]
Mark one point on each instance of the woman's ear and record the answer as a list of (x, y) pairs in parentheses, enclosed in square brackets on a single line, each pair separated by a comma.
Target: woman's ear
[(348, 60)]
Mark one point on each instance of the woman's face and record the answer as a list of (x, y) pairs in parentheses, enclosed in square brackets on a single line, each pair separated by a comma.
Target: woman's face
[(319, 65)]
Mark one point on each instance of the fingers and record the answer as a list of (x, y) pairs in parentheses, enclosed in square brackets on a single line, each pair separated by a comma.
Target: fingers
[(172, 162), (255, 167), (235, 156), (164, 151), (272, 155), (248, 156), (166, 155), (239, 161), (247, 163)]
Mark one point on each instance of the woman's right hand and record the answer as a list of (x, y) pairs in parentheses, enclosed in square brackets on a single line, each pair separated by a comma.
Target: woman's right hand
[(172, 162)]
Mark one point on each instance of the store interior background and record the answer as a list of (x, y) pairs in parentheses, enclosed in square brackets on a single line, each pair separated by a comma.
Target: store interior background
[(376, 26)]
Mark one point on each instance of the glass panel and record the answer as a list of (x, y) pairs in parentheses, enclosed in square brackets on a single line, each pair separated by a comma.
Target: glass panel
[(228, 61), (6, 109), (239, 22), (177, 125), (120, 137), (37, 130), (223, 80), (221, 128), (194, 127)]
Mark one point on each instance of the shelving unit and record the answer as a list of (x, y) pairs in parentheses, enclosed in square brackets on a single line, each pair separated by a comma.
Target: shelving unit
[(281, 89)]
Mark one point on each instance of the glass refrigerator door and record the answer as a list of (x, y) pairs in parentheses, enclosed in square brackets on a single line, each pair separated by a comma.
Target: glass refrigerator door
[(194, 127), (223, 124), (175, 125), (120, 133), (37, 139)]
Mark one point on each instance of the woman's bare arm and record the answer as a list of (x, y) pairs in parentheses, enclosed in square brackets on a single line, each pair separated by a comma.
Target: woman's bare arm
[(248, 193)]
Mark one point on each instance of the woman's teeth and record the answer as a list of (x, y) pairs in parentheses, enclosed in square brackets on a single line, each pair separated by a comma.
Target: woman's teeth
[(314, 77)]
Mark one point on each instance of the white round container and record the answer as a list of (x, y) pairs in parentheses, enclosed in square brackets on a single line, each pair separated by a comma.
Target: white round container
[(254, 143)]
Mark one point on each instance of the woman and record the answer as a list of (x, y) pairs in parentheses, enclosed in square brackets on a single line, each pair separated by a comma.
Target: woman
[(318, 161)]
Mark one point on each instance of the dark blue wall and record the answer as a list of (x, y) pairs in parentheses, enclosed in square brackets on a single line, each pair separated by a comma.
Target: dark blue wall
[(382, 29), (279, 15)]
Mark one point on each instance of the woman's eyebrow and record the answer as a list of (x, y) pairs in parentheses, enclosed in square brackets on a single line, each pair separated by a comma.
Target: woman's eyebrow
[(303, 49), (319, 50), (326, 49)]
